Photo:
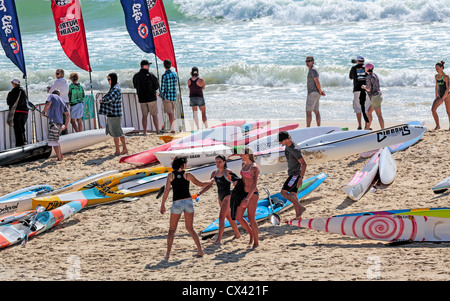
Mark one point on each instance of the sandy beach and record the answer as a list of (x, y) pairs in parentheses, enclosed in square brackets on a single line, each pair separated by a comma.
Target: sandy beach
[(127, 240)]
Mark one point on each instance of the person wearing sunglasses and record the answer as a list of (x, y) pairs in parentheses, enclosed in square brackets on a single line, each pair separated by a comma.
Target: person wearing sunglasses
[(314, 92)]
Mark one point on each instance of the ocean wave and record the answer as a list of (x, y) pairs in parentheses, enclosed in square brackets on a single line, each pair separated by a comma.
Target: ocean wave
[(237, 74), (316, 11)]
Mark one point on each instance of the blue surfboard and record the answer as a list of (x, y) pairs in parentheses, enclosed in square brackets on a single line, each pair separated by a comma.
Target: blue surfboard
[(280, 204)]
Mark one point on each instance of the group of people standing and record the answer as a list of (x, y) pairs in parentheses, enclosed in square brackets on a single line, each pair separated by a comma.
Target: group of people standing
[(147, 85), (367, 96), (233, 202)]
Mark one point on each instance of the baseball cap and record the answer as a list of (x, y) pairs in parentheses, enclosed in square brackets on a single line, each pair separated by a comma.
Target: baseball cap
[(368, 65), (145, 63), (283, 135), (15, 81), (360, 58)]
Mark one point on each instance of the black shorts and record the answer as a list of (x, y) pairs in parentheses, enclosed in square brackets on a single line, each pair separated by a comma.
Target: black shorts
[(291, 183)]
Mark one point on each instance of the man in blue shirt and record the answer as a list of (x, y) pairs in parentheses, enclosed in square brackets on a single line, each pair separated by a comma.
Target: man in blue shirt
[(56, 109), (168, 93)]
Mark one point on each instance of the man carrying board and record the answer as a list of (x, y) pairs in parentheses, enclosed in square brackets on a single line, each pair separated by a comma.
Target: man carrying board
[(296, 171)]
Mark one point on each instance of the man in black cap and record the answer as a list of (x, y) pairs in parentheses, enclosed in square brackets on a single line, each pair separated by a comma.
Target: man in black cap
[(146, 85), (296, 171)]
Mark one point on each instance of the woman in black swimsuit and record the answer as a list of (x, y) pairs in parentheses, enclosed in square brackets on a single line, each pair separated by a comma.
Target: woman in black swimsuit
[(441, 91), (223, 178), (179, 179)]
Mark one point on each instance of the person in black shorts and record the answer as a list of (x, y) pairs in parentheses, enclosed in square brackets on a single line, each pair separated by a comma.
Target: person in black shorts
[(223, 177), (296, 171)]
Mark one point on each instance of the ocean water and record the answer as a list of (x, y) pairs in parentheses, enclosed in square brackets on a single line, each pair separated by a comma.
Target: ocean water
[(251, 53)]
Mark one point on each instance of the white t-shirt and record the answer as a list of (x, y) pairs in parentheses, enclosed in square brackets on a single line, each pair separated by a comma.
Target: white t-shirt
[(63, 87)]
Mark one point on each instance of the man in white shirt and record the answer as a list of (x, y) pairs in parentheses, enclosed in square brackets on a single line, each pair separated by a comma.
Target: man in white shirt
[(63, 87)]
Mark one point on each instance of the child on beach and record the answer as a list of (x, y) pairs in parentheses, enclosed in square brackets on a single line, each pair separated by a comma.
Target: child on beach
[(223, 177), (179, 180), (441, 93), (111, 106), (76, 98)]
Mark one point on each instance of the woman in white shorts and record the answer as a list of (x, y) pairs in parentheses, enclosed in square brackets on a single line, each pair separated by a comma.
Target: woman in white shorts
[(179, 180)]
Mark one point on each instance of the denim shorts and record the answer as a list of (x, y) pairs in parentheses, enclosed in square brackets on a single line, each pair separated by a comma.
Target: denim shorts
[(180, 206), (196, 101)]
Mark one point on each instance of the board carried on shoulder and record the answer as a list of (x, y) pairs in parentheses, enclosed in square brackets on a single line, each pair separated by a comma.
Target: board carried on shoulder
[(15, 232), (280, 204)]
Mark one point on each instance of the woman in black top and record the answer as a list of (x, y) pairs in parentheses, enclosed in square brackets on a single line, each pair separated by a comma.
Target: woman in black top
[(441, 93), (21, 112), (223, 177), (179, 179)]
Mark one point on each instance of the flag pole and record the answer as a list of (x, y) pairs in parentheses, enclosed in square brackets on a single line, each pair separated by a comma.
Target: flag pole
[(33, 119), (94, 101), (183, 126)]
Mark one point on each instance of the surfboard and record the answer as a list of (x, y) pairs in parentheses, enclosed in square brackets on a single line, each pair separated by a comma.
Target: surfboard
[(297, 135), (147, 156), (26, 192), (390, 228), (334, 146), (437, 212), (15, 232), (220, 134), (363, 179), (79, 140), (400, 146), (280, 204), (388, 167), (254, 125), (82, 183), (259, 134), (26, 153), (103, 191), (442, 186), (196, 156)]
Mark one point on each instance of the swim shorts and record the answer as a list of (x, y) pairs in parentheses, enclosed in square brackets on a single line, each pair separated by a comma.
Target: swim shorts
[(290, 184)]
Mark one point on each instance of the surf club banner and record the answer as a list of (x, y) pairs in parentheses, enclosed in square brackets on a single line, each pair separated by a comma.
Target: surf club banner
[(70, 31), (137, 20), (161, 32), (10, 34)]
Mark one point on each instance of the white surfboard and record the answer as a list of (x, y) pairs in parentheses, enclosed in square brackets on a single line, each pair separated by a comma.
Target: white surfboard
[(297, 136), (442, 186), (222, 134), (79, 140), (195, 156), (362, 180), (334, 146), (387, 167)]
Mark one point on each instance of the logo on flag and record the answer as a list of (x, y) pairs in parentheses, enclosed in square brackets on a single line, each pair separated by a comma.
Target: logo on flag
[(137, 20), (10, 34)]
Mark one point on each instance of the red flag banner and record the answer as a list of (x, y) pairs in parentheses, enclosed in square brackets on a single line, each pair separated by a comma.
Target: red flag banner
[(161, 32), (70, 31)]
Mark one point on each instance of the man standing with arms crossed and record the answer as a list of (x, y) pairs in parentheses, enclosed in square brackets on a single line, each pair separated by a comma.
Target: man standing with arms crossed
[(314, 92), (146, 85), (296, 171), (168, 93)]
